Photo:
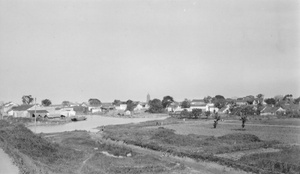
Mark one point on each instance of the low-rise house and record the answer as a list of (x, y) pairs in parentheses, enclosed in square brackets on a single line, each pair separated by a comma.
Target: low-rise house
[(138, 107), (107, 106), (211, 107), (8, 106), (224, 110), (38, 113), (121, 106), (20, 111), (173, 107), (145, 105), (198, 104), (271, 110), (240, 102), (67, 112), (84, 104)]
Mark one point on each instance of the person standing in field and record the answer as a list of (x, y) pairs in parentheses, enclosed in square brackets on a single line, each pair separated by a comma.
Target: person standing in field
[(217, 118), (244, 119)]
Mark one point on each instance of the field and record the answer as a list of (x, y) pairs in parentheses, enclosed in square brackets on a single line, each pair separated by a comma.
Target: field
[(163, 146), (283, 130), (258, 148)]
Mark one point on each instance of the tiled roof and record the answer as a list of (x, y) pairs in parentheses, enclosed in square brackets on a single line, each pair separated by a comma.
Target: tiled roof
[(21, 107), (38, 111), (270, 109)]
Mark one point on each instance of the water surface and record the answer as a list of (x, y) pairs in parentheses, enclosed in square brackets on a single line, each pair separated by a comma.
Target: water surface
[(89, 124)]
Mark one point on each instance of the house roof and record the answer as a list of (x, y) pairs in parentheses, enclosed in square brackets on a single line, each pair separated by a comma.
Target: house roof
[(107, 105), (9, 104), (21, 107), (222, 109), (198, 100), (270, 109), (38, 111), (174, 104), (193, 105)]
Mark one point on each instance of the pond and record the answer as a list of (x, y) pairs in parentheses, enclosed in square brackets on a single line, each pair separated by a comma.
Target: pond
[(89, 124)]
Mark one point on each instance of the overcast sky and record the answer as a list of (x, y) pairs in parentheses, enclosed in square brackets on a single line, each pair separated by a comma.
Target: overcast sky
[(76, 50)]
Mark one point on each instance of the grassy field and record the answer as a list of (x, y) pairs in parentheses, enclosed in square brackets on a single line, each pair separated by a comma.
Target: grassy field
[(279, 130), (110, 157), (197, 139), (77, 152), (164, 146)]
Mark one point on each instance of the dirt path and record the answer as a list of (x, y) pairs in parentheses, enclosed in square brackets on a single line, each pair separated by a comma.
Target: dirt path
[(195, 167)]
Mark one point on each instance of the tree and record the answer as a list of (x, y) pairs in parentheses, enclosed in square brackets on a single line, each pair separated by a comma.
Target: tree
[(185, 114), (65, 103), (27, 99), (260, 98), (207, 114), (130, 105), (270, 101), (116, 102), (155, 106), (94, 102), (46, 102), (278, 98), (249, 99), (247, 110), (219, 101), (196, 113), (288, 98), (297, 100), (207, 99), (186, 103), (167, 100)]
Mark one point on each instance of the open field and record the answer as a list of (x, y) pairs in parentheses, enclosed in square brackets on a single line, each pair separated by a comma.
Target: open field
[(198, 140), (279, 130), (162, 146)]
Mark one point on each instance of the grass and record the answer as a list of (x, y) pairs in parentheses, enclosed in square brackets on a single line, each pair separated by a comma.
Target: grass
[(17, 140), (285, 161), (100, 163), (204, 146), (75, 152)]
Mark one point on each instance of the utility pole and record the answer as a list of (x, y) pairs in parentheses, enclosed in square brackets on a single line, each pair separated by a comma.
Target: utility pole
[(35, 113)]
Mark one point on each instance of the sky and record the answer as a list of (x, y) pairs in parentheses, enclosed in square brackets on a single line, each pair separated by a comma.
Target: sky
[(75, 50)]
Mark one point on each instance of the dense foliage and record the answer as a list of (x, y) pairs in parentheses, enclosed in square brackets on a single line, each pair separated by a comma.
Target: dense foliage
[(17, 136), (94, 102), (186, 103), (167, 100), (46, 102), (155, 106), (27, 99)]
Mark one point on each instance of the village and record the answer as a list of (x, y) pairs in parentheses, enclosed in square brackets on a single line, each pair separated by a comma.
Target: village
[(172, 137), (249, 105)]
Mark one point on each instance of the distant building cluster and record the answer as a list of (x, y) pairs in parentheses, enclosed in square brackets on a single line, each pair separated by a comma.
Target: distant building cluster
[(236, 106)]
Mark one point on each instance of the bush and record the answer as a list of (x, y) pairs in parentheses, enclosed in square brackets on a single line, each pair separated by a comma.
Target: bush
[(22, 140)]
